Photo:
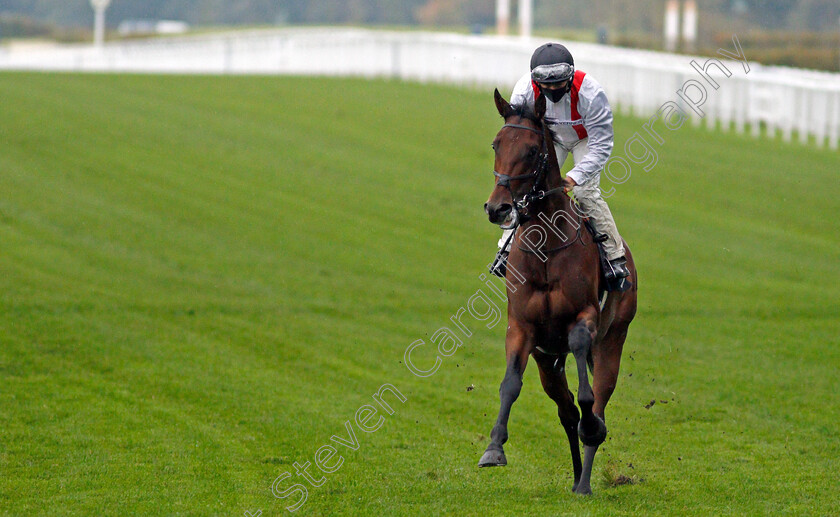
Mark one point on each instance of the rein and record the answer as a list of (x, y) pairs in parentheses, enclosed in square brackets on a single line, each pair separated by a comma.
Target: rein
[(535, 194)]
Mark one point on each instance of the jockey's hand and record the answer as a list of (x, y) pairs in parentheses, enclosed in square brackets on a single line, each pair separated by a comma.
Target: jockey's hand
[(568, 184)]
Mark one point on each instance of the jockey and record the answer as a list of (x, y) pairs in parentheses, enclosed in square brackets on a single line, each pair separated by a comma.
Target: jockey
[(578, 112)]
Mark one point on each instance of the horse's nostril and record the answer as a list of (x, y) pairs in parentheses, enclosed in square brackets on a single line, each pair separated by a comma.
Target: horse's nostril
[(498, 213)]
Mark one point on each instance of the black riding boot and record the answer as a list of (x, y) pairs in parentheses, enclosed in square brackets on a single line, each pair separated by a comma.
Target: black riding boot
[(617, 269)]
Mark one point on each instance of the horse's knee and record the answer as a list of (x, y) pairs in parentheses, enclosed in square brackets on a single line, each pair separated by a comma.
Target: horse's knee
[(580, 339)]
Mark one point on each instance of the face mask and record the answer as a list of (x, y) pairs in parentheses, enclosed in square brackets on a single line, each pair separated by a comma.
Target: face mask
[(555, 95)]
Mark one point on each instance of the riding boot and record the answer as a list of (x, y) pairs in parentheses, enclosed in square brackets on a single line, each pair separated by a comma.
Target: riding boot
[(617, 269)]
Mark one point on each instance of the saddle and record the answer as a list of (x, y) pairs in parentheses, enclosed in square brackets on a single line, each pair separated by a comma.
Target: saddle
[(607, 284)]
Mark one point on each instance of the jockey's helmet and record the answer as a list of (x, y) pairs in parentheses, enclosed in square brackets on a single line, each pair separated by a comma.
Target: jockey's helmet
[(552, 65)]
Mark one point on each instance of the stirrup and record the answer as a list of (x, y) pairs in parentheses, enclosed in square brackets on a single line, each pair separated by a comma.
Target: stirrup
[(617, 269), (499, 265)]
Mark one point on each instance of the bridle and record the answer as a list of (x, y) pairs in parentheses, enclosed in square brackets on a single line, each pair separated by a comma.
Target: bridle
[(536, 193), (521, 205)]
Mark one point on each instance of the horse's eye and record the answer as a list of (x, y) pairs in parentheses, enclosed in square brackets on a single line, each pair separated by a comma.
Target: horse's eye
[(493, 145), (533, 152)]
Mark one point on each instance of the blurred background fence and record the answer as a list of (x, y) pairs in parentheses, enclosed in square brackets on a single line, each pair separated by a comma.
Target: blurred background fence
[(794, 103)]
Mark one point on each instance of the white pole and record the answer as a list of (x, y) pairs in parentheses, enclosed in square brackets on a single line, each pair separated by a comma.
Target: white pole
[(672, 25), (526, 18), (689, 24), (99, 7), (99, 27), (502, 16)]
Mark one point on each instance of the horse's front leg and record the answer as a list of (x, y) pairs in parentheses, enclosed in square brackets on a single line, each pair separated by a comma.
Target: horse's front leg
[(518, 344)]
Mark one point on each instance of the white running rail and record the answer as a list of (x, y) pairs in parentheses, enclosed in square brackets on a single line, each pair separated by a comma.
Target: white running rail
[(764, 101)]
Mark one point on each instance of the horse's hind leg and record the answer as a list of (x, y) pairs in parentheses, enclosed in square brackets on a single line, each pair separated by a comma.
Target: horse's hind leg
[(553, 377), (607, 359), (591, 429)]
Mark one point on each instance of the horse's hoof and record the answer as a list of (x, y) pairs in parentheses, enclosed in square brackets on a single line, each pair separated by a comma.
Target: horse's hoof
[(492, 458), (594, 437), (583, 490)]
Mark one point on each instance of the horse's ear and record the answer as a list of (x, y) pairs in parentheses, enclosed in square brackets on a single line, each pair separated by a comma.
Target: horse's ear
[(539, 107), (501, 104)]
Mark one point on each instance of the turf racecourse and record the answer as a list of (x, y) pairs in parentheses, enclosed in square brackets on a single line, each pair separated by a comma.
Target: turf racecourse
[(203, 278)]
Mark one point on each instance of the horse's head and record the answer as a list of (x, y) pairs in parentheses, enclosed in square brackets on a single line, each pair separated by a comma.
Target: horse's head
[(521, 159)]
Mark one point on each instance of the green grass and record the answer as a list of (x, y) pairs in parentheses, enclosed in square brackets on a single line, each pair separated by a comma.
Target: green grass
[(203, 278)]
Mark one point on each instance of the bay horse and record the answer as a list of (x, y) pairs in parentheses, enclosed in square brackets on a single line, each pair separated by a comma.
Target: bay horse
[(553, 284)]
